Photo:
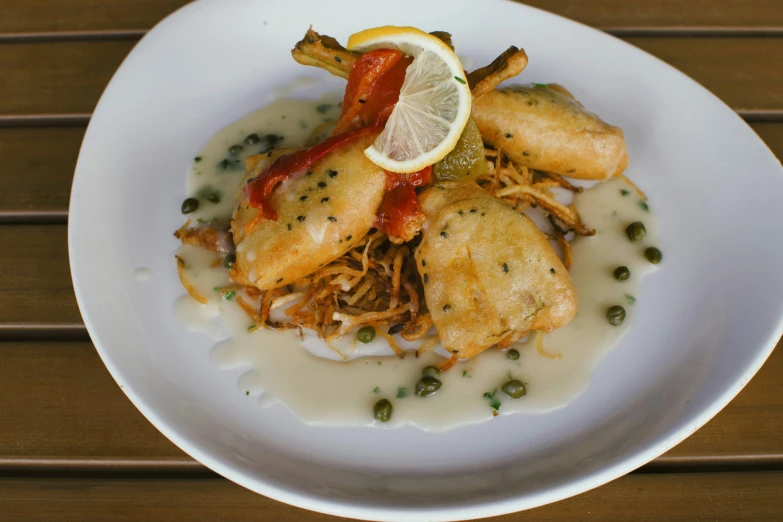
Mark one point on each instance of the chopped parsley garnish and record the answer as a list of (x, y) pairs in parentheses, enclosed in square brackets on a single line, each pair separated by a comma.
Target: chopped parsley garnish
[(229, 295), (494, 403), (402, 393), (542, 85), (324, 107), (251, 327), (465, 374), (631, 299), (624, 192), (247, 393), (644, 205), (377, 390), (460, 80), (197, 159)]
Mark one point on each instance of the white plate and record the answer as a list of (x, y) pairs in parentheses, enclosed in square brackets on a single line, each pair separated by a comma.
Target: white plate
[(699, 335)]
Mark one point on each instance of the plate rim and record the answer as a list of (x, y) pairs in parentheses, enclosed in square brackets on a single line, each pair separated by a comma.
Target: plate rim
[(302, 500)]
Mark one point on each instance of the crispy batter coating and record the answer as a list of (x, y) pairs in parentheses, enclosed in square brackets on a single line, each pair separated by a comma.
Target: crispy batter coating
[(489, 274), (544, 128), (322, 213)]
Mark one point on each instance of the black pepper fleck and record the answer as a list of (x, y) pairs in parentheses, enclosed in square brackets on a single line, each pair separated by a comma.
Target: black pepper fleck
[(289, 226), (505, 268), (332, 219), (339, 60), (279, 280), (349, 238), (332, 173), (324, 200), (446, 308), (309, 173), (444, 234), (423, 263), (321, 184), (483, 214), (509, 135), (525, 153), (571, 170), (461, 212), (300, 218), (552, 270), (426, 278), (473, 211), (362, 101), (303, 198)]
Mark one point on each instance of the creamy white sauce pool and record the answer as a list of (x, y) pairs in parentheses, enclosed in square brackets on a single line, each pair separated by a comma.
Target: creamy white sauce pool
[(341, 393)]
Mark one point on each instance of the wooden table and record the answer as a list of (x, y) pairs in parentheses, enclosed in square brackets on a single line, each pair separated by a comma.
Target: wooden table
[(72, 447)]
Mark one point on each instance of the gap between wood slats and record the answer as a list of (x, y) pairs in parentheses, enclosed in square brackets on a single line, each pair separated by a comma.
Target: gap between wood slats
[(631, 31), (186, 468)]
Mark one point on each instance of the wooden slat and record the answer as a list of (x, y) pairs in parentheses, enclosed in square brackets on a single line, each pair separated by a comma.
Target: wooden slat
[(35, 283), (68, 77), (36, 168), (25, 16), (713, 496), (74, 416)]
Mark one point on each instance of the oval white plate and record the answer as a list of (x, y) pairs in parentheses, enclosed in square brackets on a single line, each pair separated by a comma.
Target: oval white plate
[(699, 335)]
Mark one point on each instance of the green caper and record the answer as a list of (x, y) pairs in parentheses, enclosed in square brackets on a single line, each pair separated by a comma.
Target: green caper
[(189, 205), (365, 334), (235, 149), (635, 231), (653, 255), (616, 315), (427, 386), (228, 261), (430, 371), (513, 354), (382, 410), (621, 273), (252, 139), (514, 389)]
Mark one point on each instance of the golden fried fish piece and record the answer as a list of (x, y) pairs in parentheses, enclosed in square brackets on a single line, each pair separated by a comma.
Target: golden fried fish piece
[(544, 128), (490, 276), (322, 213)]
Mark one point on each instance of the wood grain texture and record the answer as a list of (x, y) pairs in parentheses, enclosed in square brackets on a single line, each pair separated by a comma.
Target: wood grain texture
[(26, 16), (36, 169), (68, 77), (35, 283), (713, 496), (74, 416)]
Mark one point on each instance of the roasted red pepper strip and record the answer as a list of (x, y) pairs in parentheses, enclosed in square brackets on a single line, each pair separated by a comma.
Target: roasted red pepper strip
[(378, 79), (260, 188), (368, 71), (400, 206)]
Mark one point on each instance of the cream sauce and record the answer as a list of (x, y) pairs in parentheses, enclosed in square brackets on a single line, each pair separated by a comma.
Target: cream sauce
[(214, 170), (316, 385)]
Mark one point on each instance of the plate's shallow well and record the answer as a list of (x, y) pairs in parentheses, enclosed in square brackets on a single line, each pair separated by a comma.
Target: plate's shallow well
[(701, 331)]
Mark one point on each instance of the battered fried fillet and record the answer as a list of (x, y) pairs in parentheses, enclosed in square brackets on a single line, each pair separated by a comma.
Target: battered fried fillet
[(321, 214), (544, 128), (489, 274)]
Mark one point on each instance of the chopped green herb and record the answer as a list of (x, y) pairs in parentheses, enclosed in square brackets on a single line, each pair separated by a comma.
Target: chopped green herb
[(229, 295), (542, 85), (460, 80), (644, 205), (324, 107), (465, 374), (197, 159), (377, 390), (402, 393), (631, 299), (624, 192), (210, 194), (380, 363), (251, 327), (225, 164), (247, 393), (495, 404), (490, 395)]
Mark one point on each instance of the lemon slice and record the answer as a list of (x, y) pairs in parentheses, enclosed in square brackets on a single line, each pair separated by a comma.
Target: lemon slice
[(434, 104)]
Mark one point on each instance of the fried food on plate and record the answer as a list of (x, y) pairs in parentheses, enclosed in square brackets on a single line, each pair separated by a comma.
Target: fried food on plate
[(542, 127), (321, 215), (490, 276)]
